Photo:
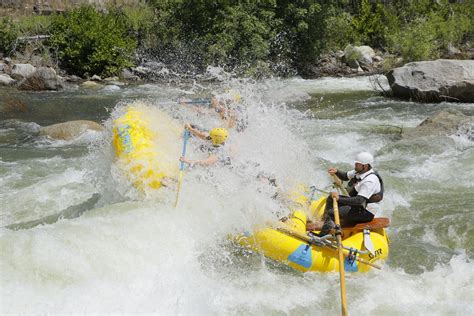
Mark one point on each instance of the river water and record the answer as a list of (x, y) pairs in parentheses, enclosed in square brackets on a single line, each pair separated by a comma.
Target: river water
[(132, 252)]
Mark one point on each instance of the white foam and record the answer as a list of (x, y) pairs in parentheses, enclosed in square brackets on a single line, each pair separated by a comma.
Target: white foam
[(144, 256)]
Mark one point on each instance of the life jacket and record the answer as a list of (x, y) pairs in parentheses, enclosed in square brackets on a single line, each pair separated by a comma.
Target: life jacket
[(376, 197)]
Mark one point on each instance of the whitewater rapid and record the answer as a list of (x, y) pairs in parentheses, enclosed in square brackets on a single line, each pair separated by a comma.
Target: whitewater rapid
[(134, 253)]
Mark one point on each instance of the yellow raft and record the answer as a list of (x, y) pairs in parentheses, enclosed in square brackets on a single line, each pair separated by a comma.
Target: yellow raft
[(287, 242), (146, 143)]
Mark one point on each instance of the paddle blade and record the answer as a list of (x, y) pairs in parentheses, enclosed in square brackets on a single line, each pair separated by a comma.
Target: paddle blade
[(180, 180)]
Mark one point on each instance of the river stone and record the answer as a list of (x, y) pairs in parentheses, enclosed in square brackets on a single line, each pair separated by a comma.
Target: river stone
[(91, 85), (128, 75), (6, 80), (44, 78), (439, 80), (358, 55), (69, 130), (21, 71), (110, 88), (445, 123)]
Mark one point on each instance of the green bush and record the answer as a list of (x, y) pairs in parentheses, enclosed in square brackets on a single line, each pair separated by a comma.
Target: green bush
[(89, 42), (141, 19), (234, 35), (340, 31), (34, 25), (8, 35), (415, 42), (303, 22)]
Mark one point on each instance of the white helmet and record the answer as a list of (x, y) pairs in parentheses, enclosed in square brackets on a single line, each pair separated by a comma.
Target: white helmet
[(365, 158)]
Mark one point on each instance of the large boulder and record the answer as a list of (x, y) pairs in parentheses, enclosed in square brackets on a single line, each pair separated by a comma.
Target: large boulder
[(44, 78), (6, 80), (354, 56), (434, 81), (69, 130), (21, 71), (445, 123)]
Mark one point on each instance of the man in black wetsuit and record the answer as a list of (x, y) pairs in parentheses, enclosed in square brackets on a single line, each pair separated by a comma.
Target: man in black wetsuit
[(366, 186)]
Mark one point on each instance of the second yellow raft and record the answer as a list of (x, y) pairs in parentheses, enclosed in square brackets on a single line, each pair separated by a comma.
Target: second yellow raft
[(281, 245)]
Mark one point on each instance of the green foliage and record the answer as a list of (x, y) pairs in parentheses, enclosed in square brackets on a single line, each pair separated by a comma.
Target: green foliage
[(141, 19), (90, 42), (415, 42), (340, 31), (34, 25), (235, 35), (303, 23), (432, 28), (8, 34), (250, 37)]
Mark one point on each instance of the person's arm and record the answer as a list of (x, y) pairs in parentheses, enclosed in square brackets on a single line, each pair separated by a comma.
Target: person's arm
[(221, 109), (209, 161), (198, 133), (357, 200), (341, 175)]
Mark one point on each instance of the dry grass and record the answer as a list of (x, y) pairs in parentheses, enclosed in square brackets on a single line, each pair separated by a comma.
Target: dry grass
[(20, 8)]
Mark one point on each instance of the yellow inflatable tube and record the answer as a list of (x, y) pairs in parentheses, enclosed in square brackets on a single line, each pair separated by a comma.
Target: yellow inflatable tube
[(146, 155), (298, 254)]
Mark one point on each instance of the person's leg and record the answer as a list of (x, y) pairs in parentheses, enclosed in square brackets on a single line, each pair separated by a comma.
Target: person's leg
[(356, 216), (329, 216)]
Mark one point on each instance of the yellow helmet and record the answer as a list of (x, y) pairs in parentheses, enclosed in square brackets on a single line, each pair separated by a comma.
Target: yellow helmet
[(218, 136), (233, 96), (236, 96)]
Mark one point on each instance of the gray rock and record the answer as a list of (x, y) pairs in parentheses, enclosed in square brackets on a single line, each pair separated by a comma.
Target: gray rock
[(69, 130), (453, 51), (445, 122), (44, 78), (112, 79), (22, 71), (128, 75), (353, 63), (366, 50), (6, 80), (439, 80), (377, 59), (355, 56), (91, 85), (73, 78), (96, 78)]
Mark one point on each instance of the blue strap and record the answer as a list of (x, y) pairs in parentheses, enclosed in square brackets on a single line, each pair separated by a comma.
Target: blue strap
[(197, 101), (185, 137)]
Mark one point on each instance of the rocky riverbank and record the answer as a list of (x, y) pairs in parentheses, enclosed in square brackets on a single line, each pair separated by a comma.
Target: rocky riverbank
[(353, 61)]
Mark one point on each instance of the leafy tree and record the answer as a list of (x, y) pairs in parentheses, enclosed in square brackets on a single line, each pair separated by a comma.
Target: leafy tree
[(90, 42), (303, 25)]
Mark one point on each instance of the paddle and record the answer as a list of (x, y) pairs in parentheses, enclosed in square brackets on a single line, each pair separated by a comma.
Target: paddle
[(338, 184), (181, 165), (195, 101), (341, 257)]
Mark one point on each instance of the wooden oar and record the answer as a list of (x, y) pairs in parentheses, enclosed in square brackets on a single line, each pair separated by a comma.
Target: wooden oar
[(341, 257), (338, 183), (308, 239), (181, 166)]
